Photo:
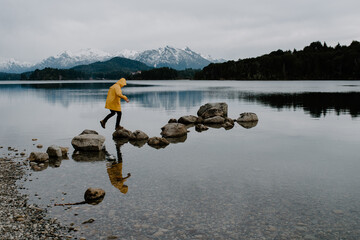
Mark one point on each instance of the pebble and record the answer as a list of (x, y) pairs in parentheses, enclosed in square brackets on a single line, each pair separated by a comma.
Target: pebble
[(18, 219)]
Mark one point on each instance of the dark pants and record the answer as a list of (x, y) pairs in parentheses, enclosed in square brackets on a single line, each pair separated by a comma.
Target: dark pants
[(112, 113)]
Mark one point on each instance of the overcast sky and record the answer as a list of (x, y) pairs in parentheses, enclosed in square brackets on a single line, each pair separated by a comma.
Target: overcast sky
[(31, 30)]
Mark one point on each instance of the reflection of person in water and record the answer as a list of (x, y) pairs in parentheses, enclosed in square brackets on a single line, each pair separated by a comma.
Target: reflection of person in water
[(114, 170)]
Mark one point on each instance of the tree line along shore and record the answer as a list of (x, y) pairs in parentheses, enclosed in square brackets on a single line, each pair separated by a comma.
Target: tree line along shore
[(315, 62)]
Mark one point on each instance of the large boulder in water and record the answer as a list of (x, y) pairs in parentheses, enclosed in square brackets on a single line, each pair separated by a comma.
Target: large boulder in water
[(213, 109), (88, 142), (173, 130)]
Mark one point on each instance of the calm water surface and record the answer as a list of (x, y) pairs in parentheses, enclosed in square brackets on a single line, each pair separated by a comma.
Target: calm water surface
[(295, 175)]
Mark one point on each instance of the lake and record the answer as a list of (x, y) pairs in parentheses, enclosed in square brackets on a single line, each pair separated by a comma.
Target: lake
[(293, 175)]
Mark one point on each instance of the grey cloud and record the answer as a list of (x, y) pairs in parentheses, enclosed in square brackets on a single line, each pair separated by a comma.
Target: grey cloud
[(232, 29)]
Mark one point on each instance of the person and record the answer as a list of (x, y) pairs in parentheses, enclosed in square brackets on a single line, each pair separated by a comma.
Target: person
[(113, 103)]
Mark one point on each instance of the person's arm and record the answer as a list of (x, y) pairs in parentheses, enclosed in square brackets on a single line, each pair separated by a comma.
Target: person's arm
[(120, 95)]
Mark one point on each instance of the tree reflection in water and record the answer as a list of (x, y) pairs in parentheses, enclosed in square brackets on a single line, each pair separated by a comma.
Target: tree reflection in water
[(314, 103)]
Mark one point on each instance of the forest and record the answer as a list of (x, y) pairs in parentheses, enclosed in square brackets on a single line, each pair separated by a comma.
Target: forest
[(315, 62)]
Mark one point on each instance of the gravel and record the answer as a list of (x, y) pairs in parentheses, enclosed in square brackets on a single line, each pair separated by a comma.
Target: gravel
[(18, 219)]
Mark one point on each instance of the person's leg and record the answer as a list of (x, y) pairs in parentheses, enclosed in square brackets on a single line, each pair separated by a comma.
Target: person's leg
[(103, 122), (118, 119)]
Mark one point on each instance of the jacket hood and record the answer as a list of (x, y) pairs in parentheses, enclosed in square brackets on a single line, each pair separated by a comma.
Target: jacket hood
[(121, 82)]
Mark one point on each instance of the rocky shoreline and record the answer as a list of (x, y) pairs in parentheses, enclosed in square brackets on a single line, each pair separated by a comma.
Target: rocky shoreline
[(18, 219)]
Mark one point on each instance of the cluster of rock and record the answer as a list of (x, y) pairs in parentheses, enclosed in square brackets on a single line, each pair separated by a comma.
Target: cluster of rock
[(209, 115), (40, 160)]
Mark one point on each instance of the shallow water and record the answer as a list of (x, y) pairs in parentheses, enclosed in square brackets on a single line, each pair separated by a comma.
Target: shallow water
[(292, 176)]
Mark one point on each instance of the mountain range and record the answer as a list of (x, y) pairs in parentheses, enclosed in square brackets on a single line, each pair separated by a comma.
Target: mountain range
[(176, 58)]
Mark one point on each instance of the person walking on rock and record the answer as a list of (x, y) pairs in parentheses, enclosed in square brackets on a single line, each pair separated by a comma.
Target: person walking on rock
[(113, 103)]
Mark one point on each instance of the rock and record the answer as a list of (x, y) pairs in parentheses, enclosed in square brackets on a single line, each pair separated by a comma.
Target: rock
[(64, 151), (139, 135), (123, 133), (199, 120), (38, 157), (247, 117), (213, 109), (94, 195), (248, 124), (213, 112), (172, 120), (54, 151), (88, 142), (91, 220), (39, 146), (190, 119), (229, 123), (214, 120), (158, 142), (34, 139), (88, 131), (201, 127), (173, 130)]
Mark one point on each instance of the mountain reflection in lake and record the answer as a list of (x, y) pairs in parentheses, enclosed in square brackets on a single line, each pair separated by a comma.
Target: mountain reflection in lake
[(294, 174), (316, 104)]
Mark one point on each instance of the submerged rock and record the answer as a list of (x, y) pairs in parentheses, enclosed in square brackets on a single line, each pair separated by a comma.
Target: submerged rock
[(248, 125), (213, 109), (228, 124), (158, 142), (88, 142), (173, 130), (38, 157), (200, 128), (247, 117)]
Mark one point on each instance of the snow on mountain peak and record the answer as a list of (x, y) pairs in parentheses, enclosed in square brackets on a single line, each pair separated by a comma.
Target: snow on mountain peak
[(167, 56)]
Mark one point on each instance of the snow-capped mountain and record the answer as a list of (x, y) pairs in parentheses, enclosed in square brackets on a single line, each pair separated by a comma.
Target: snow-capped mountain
[(13, 66), (162, 57), (68, 59), (64, 60), (171, 57)]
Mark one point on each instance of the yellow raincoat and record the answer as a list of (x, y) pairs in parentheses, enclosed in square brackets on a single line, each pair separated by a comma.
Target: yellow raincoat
[(114, 95)]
